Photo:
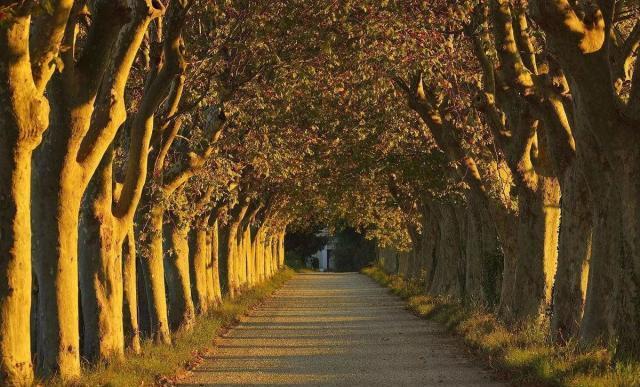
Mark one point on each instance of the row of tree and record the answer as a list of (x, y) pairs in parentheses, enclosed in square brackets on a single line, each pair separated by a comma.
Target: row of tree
[(493, 142), (535, 107), (136, 189)]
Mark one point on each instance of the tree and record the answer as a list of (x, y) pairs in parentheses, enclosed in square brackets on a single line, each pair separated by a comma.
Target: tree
[(29, 43)]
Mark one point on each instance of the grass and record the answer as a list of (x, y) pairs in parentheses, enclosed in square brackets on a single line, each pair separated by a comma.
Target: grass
[(525, 354), (163, 364)]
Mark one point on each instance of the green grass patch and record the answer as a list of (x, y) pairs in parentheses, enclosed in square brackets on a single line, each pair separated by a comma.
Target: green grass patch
[(526, 353), (160, 364)]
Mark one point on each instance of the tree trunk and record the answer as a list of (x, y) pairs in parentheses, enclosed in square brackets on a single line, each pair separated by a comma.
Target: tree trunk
[(223, 260), (611, 166), (274, 254), (610, 313), (429, 247), (259, 254), (24, 116), (574, 252), (492, 259), (267, 257), (214, 276), (447, 275), (241, 258), (101, 270), (232, 253), (144, 316), (200, 252), (627, 279), (538, 221), (181, 310), (15, 258), (129, 276), (249, 257), (403, 264), (153, 267), (56, 215), (475, 258), (281, 252), (388, 258)]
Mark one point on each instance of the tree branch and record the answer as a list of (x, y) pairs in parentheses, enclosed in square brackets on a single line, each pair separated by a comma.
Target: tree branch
[(512, 66), (624, 56), (110, 111), (108, 18), (587, 35), (46, 38)]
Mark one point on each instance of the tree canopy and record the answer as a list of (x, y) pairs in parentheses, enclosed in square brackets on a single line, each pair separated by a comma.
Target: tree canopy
[(173, 137)]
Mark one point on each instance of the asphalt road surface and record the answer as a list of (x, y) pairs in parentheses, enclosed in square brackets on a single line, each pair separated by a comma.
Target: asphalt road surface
[(338, 329)]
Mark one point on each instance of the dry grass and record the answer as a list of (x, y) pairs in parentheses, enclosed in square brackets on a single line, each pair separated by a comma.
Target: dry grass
[(162, 364), (525, 353)]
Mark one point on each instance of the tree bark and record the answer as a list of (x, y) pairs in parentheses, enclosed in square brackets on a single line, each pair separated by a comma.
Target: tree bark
[(178, 280), (241, 258), (214, 270), (200, 251), (232, 253), (274, 254), (246, 241), (259, 254), (15, 259), (448, 277), (574, 252), (474, 256), (281, 252), (129, 275), (153, 267), (267, 257), (27, 47), (56, 266), (538, 221), (100, 266)]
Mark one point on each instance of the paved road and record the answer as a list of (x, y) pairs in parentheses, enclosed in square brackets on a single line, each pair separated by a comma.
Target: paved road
[(338, 329)]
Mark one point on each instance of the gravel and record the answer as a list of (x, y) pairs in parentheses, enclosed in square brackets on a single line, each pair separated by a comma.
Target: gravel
[(338, 329)]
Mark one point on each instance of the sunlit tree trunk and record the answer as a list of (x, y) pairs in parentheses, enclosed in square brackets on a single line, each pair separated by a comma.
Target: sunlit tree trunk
[(28, 45), (233, 264), (537, 249), (281, 252), (100, 266), (15, 194), (246, 240), (214, 270), (130, 314), (259, 254), (200, 251), (15, 257), (178, 280), (267, 256), (274, 254), (153, 266), (241, 257), (57, 272)]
